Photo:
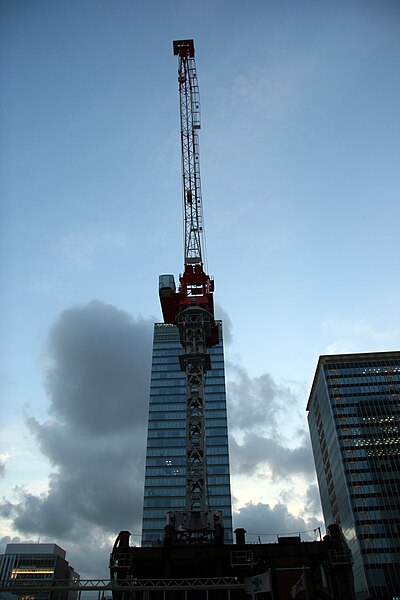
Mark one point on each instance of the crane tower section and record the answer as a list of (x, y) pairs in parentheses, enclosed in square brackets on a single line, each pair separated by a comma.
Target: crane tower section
[(191, 309)]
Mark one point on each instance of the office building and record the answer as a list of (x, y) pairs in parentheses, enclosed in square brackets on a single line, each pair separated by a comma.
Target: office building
[(166, 439), (354, 420), (40, 564)]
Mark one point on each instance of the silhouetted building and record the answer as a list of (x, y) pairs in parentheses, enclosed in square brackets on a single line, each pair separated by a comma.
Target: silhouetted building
[(315, 570), (354, 420)]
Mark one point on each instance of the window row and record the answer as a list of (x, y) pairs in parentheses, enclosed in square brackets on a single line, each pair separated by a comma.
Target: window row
[(153, 524), (223, 459), (166, 503), (156, 443), (167, 420), (167, 375), (168, 471), (165, 360), (219, 502), (164, 481), (173, 423), (161, 404), (175, 461), (164, 491), (164, 382), (159, 353), (166, 433), (217, 479), (167, 452), (217, 490), (153, 513)]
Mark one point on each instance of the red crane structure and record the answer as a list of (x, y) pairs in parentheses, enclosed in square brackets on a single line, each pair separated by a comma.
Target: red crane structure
[(191, 309)]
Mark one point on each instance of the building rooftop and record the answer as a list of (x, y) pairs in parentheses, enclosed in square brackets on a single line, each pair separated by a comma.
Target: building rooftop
[(37, 548)]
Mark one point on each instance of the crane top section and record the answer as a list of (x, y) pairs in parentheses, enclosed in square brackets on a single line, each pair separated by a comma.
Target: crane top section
[(195, 286), (189, 101), (184, 48)]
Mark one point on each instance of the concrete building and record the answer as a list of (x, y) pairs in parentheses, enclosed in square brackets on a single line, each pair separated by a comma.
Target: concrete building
[(166, 438), (354, 421), (37, 564)]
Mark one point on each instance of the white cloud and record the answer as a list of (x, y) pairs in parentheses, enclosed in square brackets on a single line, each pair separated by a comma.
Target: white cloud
[(80, 249), (357, 336)]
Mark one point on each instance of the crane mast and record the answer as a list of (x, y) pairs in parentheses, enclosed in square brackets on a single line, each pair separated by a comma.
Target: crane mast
[(191, 309)]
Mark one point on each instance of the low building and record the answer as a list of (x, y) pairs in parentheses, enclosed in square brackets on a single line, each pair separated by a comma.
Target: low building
[(290, 568), (37, 564)]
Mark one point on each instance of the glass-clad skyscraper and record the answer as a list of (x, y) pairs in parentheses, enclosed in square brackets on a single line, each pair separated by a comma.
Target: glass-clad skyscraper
[(164, 488), (354, 420)]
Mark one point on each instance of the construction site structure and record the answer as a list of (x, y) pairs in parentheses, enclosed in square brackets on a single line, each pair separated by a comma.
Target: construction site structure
[(288, 568), (191, 309), (182, 566)]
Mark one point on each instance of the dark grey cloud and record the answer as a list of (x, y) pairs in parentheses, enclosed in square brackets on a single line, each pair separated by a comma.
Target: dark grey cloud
[(7, 539), (97, 378), (256, 451), (99, 481), (262, 520), (313, 500), (98, 368), (6, 509), (256, 401)]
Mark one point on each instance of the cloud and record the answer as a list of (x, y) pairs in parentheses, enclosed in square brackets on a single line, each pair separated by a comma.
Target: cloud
[(271, 94), (313, 501), (221, 314), (97, 378), (96, 374), (262, 520), (98, 368), (255, 402), (3, 462), (357, 336), (255, 452), (80, 249), (7, 539)]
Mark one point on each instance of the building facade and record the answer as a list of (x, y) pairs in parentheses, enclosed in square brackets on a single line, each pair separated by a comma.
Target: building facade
[(37, 564), (354, 421), (164, 488)]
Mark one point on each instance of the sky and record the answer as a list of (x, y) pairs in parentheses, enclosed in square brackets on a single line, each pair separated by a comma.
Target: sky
[(299, 163)]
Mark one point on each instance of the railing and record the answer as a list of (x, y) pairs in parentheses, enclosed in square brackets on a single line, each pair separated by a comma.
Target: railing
[(16, 586)]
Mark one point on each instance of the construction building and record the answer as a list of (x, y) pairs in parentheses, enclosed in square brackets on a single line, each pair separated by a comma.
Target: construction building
[(354, 420), (164, 488), (38, 564), (290, 568)]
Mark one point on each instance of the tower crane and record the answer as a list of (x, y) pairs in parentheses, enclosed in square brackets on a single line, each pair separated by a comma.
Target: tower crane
[(191, 309)]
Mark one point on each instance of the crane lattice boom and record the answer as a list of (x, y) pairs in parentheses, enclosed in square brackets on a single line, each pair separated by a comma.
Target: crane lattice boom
[(189, 100)]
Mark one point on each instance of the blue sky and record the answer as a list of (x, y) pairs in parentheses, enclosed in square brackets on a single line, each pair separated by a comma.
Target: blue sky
[(299, 163)]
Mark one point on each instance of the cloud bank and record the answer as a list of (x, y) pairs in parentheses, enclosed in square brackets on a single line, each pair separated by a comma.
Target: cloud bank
[(97, 380), (97, 371)]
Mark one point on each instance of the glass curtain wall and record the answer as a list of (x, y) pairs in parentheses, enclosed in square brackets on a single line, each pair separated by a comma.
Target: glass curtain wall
[(354, 420), (166, 438)]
